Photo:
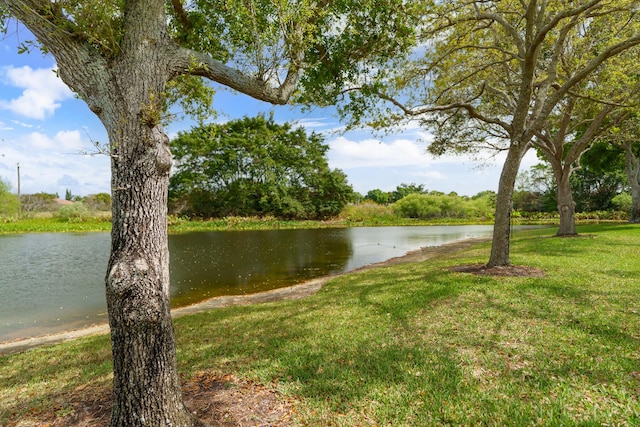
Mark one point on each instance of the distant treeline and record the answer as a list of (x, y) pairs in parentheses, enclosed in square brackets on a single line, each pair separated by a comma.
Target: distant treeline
[(32, 204)]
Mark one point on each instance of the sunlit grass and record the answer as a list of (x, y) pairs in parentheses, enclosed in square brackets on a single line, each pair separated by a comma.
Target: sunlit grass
[(50, 224), (54, 225), (415, 344), (364, 218)]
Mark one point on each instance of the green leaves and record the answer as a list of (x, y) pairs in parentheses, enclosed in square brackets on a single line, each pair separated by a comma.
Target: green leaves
[(357, 43), (97, 21), (481, 71), (259, 37), (5, 16), (193, 95), (254, 166)]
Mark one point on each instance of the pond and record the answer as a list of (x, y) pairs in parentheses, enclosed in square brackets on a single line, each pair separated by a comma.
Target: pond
[(55, 281)]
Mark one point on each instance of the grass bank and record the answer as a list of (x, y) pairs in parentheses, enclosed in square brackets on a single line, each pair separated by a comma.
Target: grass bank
[(49, 224), (411, 344), (182, 225), (52, 224)]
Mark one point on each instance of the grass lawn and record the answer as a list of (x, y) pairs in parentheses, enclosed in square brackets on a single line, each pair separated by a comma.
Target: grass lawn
[(412, 344)]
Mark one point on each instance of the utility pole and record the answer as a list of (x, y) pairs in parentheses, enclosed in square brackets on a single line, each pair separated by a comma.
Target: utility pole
[(19, 203)]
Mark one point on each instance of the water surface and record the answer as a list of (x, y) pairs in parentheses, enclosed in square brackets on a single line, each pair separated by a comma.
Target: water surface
[(55, 281)]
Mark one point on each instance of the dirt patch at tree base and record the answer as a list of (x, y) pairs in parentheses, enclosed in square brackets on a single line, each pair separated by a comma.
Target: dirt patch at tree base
[(216, 401), (504, 271)]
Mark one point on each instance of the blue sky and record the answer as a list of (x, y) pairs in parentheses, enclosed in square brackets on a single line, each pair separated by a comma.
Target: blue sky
[(46, 130)]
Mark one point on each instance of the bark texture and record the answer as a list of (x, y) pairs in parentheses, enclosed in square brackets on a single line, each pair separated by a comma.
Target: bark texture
[(566, 207), (500, 247), (632, 169), (146, 387)]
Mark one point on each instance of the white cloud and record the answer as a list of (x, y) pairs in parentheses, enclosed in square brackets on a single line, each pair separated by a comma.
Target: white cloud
[(69, 141), (308, 123), (349, 154), (371, 163), (43, 91), (4, 126), (22, 124), (435, 175), (38, 141)]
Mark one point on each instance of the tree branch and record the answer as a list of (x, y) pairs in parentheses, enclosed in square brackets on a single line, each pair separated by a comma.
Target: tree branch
[(195, 63), (542, 33), (593, 65), (181, 14), (43, 19)]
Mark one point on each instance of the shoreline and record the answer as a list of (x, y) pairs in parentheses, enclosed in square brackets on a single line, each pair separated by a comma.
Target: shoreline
[(289, 293)]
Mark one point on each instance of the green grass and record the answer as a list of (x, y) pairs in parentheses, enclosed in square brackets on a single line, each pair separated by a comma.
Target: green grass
[(414, 344), (47, 223), (53, 225), (182, 225)]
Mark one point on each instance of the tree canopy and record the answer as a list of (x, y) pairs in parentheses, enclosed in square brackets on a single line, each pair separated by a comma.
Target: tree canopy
[(488, 74), (254, 166)]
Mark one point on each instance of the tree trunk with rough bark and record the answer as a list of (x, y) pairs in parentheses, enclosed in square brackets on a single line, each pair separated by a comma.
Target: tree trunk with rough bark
[(566, 207), (146, 387), (500, 246), (632, 169), (634, 217)]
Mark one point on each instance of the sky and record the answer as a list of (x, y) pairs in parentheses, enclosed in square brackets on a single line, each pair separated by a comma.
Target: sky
[(48, 136)]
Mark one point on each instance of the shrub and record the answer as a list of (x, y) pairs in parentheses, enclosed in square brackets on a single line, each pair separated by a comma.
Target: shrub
[(622, 202), (418, 206), (367, 211), (76, 212)]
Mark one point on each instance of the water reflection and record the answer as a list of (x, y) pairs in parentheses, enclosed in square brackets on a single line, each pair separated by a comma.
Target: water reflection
[(204, 265), (54, 282)]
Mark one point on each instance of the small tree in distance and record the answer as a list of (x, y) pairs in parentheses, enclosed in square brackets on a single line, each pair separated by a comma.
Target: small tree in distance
[(8, 200)]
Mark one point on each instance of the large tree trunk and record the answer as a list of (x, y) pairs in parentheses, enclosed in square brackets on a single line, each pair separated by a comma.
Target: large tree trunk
[(504, 202), (635, 204), (632, 169), (566, 207), (146, 387)]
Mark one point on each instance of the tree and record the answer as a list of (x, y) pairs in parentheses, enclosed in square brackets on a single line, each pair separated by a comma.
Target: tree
[(439, 205), (536, 189), (594, 187), (378, 196), (127, 61), (563, 145), (38, 202), (404, 190), (627, 137), (595, 105), (98, 202), (8, 201), (254, 166), (632, 169), (488, 75)]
